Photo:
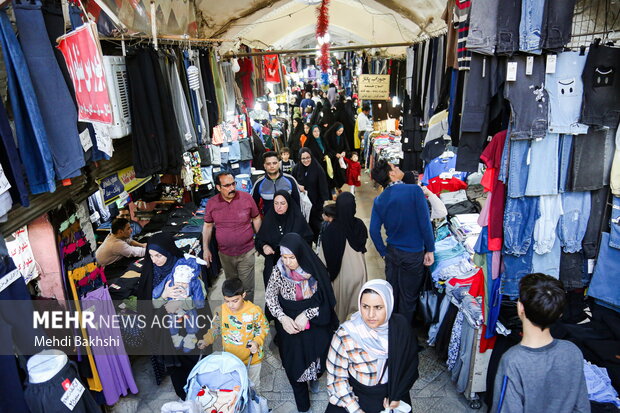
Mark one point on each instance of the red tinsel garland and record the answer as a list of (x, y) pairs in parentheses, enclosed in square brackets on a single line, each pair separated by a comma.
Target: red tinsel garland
[(322, 24)]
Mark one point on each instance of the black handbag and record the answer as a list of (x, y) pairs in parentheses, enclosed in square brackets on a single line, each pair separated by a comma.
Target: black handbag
[(429, 300)]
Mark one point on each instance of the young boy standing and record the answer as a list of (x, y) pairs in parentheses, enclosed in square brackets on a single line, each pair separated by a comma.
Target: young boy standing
[(286, 163), (541, 374), (243, 328)]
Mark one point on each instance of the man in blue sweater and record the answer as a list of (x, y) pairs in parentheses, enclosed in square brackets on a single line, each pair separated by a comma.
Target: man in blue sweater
[(403, 211)]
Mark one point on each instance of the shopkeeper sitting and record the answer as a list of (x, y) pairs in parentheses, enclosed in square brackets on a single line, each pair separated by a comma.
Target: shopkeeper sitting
[(118, 246)]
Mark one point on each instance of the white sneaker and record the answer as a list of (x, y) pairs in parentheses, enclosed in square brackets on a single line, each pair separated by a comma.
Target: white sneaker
[(189, 343), (177, 340)]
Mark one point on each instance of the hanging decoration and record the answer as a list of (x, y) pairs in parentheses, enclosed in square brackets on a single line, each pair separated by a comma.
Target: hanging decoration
[(322, 36)]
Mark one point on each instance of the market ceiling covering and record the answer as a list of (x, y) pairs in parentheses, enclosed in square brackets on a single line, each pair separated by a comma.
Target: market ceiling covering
[(286, 24), (290, 24)]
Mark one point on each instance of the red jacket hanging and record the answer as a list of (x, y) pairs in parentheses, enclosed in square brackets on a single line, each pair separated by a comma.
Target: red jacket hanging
[(272, 66)]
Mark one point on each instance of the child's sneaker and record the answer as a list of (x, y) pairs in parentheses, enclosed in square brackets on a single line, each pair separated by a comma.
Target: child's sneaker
[(189, 343), (177, 341)]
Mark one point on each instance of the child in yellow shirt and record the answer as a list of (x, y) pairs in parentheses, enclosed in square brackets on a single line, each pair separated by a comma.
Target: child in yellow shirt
[(243, 328)]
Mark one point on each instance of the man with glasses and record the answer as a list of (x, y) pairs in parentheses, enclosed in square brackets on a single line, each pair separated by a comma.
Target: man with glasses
[(235, 216), (273, 181)]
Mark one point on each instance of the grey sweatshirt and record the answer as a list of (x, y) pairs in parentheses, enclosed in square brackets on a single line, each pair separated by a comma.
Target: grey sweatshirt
[(549, 379)]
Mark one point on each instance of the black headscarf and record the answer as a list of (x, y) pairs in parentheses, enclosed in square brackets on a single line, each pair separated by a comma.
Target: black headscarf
[(275, 226), (298, 351), (313, 178), (158, 338), (345, 227), (293, 142)]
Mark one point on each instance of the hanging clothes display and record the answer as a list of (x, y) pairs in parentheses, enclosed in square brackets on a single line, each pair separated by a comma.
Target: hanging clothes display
[(272, 68)]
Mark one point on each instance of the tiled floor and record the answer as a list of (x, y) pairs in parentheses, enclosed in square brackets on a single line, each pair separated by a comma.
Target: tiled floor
[(432, 392)]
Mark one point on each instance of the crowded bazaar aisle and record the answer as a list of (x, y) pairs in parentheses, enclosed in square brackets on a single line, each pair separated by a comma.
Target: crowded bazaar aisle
[(432, 392)]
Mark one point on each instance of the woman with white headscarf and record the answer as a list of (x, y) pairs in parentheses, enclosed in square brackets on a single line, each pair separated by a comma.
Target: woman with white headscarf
[(373, 359)]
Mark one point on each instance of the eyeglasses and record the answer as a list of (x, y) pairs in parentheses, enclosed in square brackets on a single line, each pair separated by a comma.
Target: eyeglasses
[(233, 183), (305, 158)]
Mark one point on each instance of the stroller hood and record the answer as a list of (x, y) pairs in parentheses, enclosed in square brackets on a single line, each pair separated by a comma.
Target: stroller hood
[(219, 370)]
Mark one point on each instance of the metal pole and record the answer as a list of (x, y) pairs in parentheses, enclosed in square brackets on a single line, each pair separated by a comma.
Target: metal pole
[(313, 51)]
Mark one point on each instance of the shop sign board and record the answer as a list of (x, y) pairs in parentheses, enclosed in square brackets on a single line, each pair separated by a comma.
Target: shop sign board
[(82, 52), (123, 181), (373, 87)]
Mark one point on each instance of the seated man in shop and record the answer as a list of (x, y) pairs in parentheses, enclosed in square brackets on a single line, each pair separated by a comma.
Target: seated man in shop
[(125, 213), (118, 248), (273, 181)]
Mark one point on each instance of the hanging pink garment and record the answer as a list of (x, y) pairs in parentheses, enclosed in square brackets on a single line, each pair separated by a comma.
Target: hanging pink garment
[(44, 249)]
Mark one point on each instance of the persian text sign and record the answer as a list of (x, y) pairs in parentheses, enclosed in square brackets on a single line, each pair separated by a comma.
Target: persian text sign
[(119, 182), (373, 87), (84, 59)]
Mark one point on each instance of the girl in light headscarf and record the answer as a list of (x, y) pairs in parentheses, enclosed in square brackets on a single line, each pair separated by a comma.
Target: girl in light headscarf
[(360, 375)]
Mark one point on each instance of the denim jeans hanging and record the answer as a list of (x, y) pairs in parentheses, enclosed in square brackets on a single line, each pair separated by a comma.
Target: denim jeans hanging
[(57, 108), (31, 135)]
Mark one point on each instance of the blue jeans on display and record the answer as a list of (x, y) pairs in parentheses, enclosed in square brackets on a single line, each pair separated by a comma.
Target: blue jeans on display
[(566, 145), (9, 158), (518, 168), (574, 221), (543, 172), (530, 28), (515, 268), (31, 135), (520, 215), (565, 88), (548, 263), (503, 170), (235, 151), (245, 167), (614, 236), (606, 278), (224, 153), (57, 108)]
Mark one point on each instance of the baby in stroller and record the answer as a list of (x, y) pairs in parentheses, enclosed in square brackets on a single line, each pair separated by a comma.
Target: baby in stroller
[(186, 274)]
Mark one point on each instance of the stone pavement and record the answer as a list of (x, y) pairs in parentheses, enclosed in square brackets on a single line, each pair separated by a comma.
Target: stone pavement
[(432, 392)]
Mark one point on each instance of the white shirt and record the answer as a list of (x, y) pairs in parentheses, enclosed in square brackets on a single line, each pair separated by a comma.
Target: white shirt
[(363, 123)]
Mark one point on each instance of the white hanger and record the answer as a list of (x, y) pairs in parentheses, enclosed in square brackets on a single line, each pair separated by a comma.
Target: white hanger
[(447, 154)]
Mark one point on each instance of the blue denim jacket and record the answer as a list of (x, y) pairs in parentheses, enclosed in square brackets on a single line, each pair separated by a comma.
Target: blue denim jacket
[(520, 216)]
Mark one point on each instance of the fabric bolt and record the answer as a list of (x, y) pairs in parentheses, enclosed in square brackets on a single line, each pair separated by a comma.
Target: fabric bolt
[(550, 211), (565, 90), (518, 168), (566, 147), (598, 220), (530, 27), (557, 24), (606, 274), (601, 106), (482, 36), (590, 157), (30, 130), (519, 221), (508, 21), (482, 84), (528, 98), (574, 220), (58, 111), (543, 173)]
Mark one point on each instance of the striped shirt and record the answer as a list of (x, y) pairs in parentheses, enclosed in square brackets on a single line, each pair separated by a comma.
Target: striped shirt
[(346, 358)]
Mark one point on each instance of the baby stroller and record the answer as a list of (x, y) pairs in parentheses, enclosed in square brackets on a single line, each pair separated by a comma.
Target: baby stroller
[(220, 383)]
